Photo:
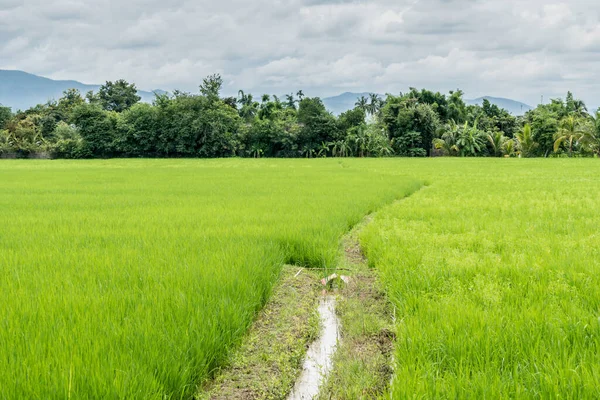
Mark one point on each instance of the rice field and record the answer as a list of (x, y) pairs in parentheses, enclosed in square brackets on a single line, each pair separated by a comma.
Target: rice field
[(495, 272), (134, 278)]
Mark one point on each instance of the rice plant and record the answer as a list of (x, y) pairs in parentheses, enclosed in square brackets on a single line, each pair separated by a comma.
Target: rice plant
[(134, 278), (494, 271)]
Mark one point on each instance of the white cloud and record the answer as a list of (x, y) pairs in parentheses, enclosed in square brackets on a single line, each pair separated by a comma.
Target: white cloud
[(506, 48)]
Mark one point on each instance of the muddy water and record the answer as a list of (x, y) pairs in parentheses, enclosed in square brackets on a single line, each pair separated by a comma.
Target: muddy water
[(319, 357)]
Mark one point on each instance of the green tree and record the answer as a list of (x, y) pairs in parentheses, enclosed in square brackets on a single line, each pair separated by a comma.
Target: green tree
[(5, 116), (68, 142), (544, 122), (471, 141), (24, 136), (211, 87), (590, 138), (570, 131), (448, 136), (118, 96), (411, 126), (362, 103), (249, 107), (374, 105), (496, 141), (525, 141), (290, 101), (98, 128), (350, 119), (71, 98), (318, 126)]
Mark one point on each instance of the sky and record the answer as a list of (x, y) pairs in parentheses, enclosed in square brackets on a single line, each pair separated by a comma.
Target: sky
[(520, 49)]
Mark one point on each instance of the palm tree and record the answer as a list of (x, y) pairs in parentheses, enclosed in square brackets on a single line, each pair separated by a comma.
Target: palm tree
[(300, 95), (266, 107), (277, 102), (590, 138), (374, 104), (362, 103), (290, 101), (525, 142), (569, 133), (249, 106), (447, 142), (508, 149), (579, 107), (496, 140)]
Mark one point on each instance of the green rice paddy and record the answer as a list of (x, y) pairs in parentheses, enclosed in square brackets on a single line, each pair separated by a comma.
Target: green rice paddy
[(134, 278), (495, 272)]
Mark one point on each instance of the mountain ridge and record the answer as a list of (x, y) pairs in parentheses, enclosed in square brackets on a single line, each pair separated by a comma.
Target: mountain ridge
[(345, 101), (21, 90)]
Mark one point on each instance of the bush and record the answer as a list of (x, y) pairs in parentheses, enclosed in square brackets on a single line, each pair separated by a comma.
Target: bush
[(69, 143)]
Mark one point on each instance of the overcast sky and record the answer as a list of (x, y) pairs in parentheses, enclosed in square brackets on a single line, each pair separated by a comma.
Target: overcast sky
[(521, 49)]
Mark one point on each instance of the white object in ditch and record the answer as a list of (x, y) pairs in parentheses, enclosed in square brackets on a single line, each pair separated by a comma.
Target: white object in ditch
[(319, 357)]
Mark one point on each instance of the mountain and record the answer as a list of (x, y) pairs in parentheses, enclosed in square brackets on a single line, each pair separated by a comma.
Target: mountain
[(346, 101), (21, 90), (512, 106)]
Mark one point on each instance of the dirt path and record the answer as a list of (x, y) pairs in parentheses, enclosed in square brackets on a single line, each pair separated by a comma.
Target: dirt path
[(268, 362), (363, 361), (272, 362)]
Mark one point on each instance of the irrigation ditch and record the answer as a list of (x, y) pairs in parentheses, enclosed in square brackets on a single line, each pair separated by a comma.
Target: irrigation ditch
[(318, 337)]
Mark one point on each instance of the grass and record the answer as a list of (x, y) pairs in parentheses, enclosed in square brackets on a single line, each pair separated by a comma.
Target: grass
[(494, 270), (136, 278)]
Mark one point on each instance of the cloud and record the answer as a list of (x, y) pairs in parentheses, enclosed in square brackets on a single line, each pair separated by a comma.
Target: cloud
[(485, 47)]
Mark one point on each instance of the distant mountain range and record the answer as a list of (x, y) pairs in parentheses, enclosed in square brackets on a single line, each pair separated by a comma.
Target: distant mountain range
[(21, 90), (346, 101)]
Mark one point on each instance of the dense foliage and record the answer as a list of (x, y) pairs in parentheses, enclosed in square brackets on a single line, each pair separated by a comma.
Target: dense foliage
[(113, 123)]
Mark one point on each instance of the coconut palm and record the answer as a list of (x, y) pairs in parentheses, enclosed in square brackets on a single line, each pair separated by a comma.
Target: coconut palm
[(496, 141), (526, 144), (590, 138), (374, 104), (508, 148), (449, 136), (277, 102), (569, 134), (362, 102), (249, 106), (290, 101)]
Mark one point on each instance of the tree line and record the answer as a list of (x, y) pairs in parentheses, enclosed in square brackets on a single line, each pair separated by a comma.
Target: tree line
[(419, 123)]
